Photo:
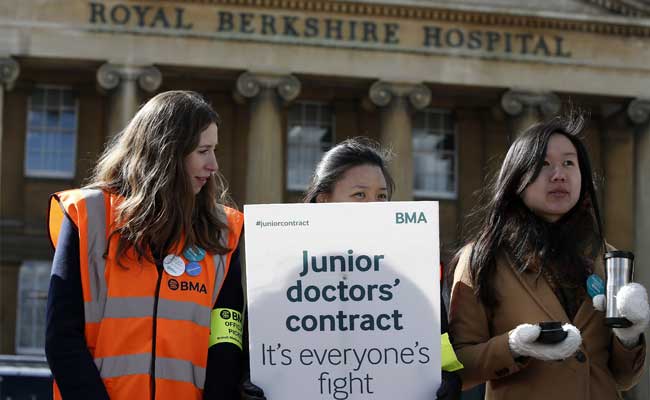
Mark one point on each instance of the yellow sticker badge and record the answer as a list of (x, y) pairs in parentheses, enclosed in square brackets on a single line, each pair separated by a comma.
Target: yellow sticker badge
[(226, 327)]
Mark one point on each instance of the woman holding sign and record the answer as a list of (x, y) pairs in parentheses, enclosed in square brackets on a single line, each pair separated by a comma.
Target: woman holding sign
[(356, 170), (146, 273), (521, 314)]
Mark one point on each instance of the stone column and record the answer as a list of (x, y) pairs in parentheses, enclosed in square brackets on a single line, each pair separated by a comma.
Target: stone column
[(265, 167), (397, 101), (639, 113), (528, 107), (124, 82), (618, 189), (9, 71)]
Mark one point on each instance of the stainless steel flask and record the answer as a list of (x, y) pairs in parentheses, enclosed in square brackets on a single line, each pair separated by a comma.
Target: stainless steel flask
[(619, 271)]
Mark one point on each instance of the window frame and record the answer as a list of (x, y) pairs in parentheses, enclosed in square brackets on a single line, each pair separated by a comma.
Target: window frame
[(28, 326), (47, 173), (433, 194), (302, 187)]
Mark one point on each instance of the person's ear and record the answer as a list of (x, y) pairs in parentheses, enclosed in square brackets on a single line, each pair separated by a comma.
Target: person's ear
[(322, 198)]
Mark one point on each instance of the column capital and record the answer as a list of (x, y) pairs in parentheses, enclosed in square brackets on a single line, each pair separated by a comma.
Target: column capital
[(9, 71), (381, 93), (515, 101), (250, 84), (639, 110), (109, 76)]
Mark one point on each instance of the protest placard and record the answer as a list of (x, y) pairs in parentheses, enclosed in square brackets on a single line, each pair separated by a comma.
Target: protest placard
[(343, 300)]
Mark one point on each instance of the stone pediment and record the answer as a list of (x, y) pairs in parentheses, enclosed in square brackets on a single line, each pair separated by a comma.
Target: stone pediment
[(629, 8)]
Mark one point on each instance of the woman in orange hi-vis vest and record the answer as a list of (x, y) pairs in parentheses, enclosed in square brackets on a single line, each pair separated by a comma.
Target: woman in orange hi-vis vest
[(145, 299)]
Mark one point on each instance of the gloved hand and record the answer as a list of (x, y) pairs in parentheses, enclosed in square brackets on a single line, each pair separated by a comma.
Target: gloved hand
[(250, 391), (521, 341), (450, 387), (632, 303)]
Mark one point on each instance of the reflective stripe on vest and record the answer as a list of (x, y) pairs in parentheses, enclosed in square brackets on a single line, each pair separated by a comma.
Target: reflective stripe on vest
[(219, 262), (166, 368), (88, 209), (135, 307), (93, 208)]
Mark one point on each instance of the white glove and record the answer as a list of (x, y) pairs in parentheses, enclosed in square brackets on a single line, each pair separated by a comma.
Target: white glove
[(522, 343), (600, 302), (632, 303)]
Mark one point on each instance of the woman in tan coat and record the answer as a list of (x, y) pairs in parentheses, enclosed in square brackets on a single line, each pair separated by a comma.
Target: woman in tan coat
[(529, 262)]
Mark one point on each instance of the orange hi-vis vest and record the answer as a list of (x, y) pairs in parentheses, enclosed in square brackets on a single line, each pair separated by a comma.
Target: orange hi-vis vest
[(147, 331)]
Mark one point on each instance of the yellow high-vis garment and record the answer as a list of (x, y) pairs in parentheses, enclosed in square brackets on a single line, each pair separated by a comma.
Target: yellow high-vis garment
[(449, 362), (144, 328)]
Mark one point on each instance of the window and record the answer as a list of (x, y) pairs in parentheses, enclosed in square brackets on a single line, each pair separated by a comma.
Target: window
[(434, 154), (33, 281), (309, 135), (51, 133)]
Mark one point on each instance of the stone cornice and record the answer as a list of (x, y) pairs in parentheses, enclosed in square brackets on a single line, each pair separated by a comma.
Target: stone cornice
[(589, 24), (631, 8)]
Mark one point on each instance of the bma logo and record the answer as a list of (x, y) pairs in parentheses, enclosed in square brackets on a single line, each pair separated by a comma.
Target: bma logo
[(410, 217), (227, 314), (185, 286)]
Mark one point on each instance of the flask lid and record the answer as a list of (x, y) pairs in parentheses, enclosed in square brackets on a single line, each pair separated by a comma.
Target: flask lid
[(619, 254)]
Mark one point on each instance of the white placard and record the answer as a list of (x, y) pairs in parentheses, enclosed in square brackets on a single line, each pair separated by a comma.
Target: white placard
[(344, 300)]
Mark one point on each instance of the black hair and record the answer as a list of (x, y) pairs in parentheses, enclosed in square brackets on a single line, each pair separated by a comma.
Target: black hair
[(339, 159), (532, 242)]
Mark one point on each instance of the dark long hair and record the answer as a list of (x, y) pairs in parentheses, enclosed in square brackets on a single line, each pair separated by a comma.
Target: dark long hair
[(144, 165), (340, 158), (531, 242)]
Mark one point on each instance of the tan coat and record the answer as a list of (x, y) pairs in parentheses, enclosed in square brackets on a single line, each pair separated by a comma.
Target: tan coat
[(600, 368)]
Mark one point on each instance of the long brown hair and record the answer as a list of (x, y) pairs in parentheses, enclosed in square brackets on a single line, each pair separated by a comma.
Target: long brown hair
[(144, 165)]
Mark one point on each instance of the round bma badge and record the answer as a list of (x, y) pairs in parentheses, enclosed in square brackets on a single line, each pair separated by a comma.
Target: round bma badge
[(194, 253), (174, 265), (193, 269)]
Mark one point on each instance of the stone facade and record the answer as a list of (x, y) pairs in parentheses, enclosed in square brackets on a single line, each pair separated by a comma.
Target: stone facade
[(493, 67)]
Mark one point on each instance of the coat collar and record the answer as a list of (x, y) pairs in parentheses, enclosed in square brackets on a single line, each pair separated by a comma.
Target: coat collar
[(542, 293)]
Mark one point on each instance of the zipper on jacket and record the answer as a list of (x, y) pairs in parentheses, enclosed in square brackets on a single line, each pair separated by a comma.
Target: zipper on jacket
[(159, 267)]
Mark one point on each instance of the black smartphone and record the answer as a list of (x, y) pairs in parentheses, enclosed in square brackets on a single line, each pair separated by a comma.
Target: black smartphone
[(551, 333)]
